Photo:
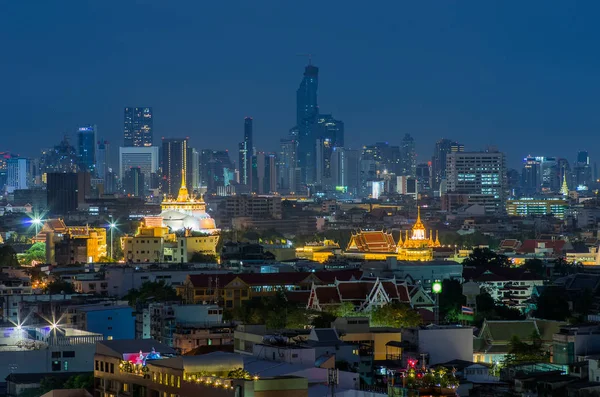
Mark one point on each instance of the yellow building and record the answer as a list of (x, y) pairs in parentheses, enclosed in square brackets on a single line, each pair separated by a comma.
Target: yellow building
[(319, 252), (417, 245), (72, 244)]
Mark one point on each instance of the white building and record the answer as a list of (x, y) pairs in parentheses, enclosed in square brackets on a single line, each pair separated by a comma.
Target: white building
[(17, 174), (481, 176)]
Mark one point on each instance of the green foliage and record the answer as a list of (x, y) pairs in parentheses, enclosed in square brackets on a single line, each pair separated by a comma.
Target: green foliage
[(201, 257), (535, 266), (8, 256), (487, 308), (451, 300), (59, 287), (520, 352), (564, 268), (152, 290), (486, 257), (79, 382), (396, 315), (323, 320), (273, 311), (37, 252), (239, 373), (552, 305)]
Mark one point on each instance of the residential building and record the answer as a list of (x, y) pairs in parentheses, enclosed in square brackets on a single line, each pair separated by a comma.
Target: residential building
[(408, 156), (18, 174), (138, 127), (113, 320), (443, 147), (251, 206), (481, 176), (572, 344)]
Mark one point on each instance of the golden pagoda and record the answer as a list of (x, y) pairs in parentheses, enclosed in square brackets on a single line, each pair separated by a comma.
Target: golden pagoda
[(564, 189), (417, 246)]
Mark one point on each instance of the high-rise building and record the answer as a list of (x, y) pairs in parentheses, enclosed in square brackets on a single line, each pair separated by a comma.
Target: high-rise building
[(61, 158), (133, 182), (423, 173), (266, 181), (582, 171), (443, 147), (531, 177), (345, 170), (407, 185), (408, 156), (86, 148), (146, 158), (138, 127), (17, 176), (324, 150), (174, 162), (216, 169), (66, 191), (102, 159), (480, 177), (246, 151), (287, 165), (331, 129), (193, 169), (307, 111)]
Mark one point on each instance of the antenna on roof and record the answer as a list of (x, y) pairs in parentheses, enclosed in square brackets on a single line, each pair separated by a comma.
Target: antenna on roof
[(309, 56)]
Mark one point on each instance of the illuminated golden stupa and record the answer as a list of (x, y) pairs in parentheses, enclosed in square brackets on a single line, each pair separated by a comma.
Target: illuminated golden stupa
[(186, 212), (379, 245)]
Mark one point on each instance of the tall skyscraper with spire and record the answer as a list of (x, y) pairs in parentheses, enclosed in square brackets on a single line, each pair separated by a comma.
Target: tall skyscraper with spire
[(307, 111), (246, 151)]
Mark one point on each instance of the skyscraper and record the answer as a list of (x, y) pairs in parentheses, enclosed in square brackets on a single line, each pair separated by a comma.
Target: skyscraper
[(174, 162), (144, 157), (133, 182), (86, 148), (443, 147), (216, 169), (480, 177), (66, 191), (287, 165), (137, 128), (531, 177), (582, 171), (17, 174), (193, 169), (102, 159), (409, 156), (330, 128), (246, 151), (307, 111), (345, 170)]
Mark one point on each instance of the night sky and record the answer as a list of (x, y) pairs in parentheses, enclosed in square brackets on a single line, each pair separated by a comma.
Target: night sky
[(523, 76)]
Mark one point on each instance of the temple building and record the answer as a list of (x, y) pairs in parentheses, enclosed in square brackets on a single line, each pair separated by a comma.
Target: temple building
[(417, 244), (182, 229)]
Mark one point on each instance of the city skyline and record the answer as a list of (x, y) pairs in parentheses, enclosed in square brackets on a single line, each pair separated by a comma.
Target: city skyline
[(493, 88)]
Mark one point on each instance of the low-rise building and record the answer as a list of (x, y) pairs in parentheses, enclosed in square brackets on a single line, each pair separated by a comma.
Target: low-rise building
[(114, 320)]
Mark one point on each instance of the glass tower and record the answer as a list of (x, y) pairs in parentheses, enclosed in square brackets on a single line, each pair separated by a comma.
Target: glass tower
[(86, 148), (307, 111), (137, 127)]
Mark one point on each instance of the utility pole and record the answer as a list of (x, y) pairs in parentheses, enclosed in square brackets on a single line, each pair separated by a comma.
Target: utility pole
[(332, 379)]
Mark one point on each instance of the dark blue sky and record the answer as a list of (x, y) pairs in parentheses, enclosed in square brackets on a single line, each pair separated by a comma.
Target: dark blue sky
[(524, 76)]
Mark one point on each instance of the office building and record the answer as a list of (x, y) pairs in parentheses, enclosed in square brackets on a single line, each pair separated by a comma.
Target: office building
[(266, 166), (193, 169), (287, 165), (216, 169), (138, 127), (66, 191), (443, 147), (86, 148), (408, 156), (531, 177), (174, 162), (102, 160), (324, 149), (146, 158), (133, 182), (407, 185), (481, 176), (328, 128), (115, 320), (345, 170), (61, 158), (529, 206), (379, 158), (246, 151), (582, 171), (17, 176), (423, 173), (307, 111)]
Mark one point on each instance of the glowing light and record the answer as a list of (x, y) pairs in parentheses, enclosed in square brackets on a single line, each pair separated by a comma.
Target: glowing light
[(436, 287), (36, 221), (112, 225)]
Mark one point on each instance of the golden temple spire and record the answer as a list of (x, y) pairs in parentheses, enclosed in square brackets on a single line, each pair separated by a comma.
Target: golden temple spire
[(564, 188), (437, 238), (183, 178), (183, 195)]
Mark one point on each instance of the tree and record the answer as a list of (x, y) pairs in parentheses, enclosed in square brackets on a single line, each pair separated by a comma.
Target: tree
[(563, 268), (80, 382), (202, 257), (535, 266), (323, 320), (451, 299), (59, 287), (552, 305), (152, 290), (396, 315), (486, 257), (36, 253), (239, 373), (520, 352), (8, 256)]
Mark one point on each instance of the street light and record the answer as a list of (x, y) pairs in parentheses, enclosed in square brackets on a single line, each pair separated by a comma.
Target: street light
[(112, 226), (436, 288), (37, 222)]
